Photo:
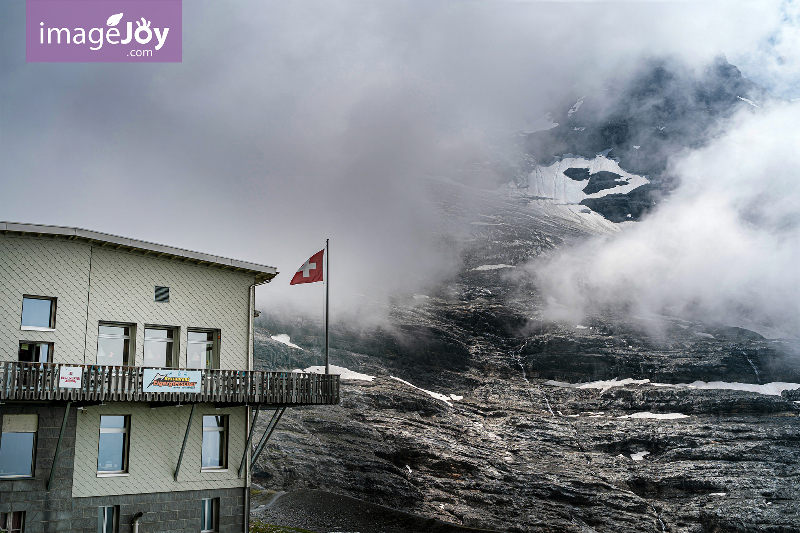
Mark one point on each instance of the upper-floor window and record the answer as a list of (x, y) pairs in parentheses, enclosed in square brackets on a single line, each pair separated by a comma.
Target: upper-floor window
[(112, 455), (202, 349), (160, 347), (35, 352), (38, 312), (18, 445), (114, 344)]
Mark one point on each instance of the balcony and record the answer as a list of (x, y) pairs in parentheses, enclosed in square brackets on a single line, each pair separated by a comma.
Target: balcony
[(40, 381)]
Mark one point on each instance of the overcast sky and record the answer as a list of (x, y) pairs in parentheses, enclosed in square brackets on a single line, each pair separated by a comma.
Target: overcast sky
[(291, 122)]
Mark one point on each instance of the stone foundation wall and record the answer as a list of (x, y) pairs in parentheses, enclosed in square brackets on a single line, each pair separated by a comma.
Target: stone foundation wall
[(58, 511)]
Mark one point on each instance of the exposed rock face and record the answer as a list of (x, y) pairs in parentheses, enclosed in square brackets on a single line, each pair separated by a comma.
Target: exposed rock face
[(500, 459), (519, 454)]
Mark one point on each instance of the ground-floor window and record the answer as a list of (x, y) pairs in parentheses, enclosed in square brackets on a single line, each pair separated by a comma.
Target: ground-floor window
[(215, 442), (209, 514), (112, 455), (107, 519), (13, 522), (18, 445)]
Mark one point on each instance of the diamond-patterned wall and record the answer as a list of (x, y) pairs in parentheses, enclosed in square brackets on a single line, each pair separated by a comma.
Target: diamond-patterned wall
[(44, 267), (156, 437), (121, 289)]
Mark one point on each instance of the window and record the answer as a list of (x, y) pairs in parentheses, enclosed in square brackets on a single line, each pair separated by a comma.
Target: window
[(114, 344), (112, 455), (209, 512), (13, 522), (18, 445), (35, 352), (159, 347), (215, 442), (161, 294), (202, 349), (38, 312), (107, 519)]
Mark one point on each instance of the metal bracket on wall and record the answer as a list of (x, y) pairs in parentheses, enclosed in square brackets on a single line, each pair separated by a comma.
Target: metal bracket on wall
[(58, 445), (249, 439), (185, 438), (273, 423)]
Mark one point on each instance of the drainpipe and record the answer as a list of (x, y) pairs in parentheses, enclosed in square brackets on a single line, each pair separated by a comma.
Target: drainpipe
[(251, 308), (135, 523)]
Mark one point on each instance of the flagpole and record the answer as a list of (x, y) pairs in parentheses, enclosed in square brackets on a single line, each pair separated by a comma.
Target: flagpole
[(327, 307)]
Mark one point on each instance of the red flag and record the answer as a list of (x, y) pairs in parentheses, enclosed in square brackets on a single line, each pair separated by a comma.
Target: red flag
[(311, 270)]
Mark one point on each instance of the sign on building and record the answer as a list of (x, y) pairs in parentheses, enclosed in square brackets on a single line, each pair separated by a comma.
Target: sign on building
[(70, 377), (163, 380)]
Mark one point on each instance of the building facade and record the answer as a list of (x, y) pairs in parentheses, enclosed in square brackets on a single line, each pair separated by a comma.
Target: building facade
[(126, 384)]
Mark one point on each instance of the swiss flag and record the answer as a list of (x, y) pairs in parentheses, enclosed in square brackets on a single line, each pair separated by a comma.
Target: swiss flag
[(311, 270)]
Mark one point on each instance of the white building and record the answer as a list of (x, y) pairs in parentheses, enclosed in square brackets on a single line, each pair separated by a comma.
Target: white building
[(126, 384)]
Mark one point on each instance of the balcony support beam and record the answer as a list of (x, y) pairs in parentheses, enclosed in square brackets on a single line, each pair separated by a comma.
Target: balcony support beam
[(58, 445), (276, 417), (249, 439), (185, 439)]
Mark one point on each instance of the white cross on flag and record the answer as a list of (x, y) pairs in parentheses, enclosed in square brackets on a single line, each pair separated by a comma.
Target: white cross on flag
[(311, 270)]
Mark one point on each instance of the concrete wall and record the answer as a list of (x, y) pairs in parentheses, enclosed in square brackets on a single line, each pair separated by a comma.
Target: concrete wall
[(165, 512), (156, 437), (44, 511), (118, 287)]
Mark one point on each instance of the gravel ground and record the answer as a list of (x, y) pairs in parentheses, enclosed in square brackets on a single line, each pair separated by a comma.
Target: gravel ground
[(326, 512)]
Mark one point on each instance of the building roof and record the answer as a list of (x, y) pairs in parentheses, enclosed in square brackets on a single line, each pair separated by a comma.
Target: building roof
[(262, 273)]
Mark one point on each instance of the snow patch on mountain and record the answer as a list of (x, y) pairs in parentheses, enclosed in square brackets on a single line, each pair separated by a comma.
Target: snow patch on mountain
[(577, 106), (493, 267), (748, 101), (543, 123), (774, 388), (550, 182), (446, 398), (284, 339), (342, 372), (656, 416)]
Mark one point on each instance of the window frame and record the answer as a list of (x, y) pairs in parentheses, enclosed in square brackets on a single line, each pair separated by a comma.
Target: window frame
[(215, 344), (127, 359), (39, 361), (126, 447), (224, 443), (102, 514), (7, 517), (212, 505), (173, 356), (53, 306), (34, 444)]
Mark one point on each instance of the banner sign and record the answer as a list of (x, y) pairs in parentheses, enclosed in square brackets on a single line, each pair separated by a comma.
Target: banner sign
[(70, 377), (102, 31), (163, 380)]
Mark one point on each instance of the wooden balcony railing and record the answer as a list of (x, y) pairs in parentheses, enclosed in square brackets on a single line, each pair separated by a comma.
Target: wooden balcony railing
[(40, 381)]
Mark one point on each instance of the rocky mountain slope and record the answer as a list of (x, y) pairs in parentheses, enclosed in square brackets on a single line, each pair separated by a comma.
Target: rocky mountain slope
[(487, 426)]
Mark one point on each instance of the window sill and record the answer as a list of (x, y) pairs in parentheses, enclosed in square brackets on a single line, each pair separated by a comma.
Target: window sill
[(35, 328), (14, 478), (212, 470), (113, 474)]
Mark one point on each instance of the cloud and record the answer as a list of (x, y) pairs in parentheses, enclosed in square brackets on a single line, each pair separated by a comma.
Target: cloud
[(723, 248), (291, 122)]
